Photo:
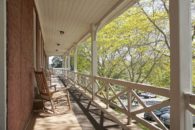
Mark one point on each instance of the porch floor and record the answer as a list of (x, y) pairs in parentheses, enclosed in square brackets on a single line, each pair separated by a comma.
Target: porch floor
[(74, 119), (70, 120)]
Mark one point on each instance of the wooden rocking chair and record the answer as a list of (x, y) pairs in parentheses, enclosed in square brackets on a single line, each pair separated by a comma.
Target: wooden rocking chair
[(46, 94), (47, 75)]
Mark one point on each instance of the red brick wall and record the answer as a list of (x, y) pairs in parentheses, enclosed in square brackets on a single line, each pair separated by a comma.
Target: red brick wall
[(20, 62)]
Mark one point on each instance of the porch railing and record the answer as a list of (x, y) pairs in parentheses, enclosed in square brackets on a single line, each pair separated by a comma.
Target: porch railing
[(112, 92), (59, 71)]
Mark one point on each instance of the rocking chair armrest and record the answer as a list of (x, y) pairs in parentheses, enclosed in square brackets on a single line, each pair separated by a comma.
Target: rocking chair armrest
[(53, 86)]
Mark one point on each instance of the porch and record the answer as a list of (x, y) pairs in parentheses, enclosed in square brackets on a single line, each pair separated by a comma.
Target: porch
[(63, 119), (84, 115), (105, 109), (33, 30)]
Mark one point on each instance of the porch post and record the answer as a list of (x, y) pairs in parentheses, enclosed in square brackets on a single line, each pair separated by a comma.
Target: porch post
[(75, 66), (68, 58), (65, 65), (47, 62), (75, 59), (181, 63), (94, 58), (63, 61), (3, 80)]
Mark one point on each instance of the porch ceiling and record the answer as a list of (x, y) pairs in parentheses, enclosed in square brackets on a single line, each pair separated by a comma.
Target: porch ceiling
[(74, 17)]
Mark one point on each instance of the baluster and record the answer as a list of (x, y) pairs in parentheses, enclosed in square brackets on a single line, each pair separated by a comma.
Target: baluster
[(79, 80), (66, 74), (107, 96), (85, 83), (93, 87), (129, 97), (74, 79)]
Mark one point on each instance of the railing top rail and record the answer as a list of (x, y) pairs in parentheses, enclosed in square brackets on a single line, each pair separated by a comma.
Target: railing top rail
[(190, 98), (59, 68), (83, 74), (143, 87), (110, 99)]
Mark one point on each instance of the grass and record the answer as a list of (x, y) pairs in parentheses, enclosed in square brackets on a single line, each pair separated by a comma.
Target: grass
[(142, 126)]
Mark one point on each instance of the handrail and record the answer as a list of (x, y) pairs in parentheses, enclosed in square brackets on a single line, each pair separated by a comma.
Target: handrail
[(104, 91), (143, 87), (190, 102)]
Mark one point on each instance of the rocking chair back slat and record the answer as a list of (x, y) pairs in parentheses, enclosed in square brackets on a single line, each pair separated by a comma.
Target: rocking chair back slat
[(45, 93), (42, 83)]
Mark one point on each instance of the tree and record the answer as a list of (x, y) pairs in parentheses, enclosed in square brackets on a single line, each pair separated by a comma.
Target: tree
[(84, 57), (57, 62), (135, 46)]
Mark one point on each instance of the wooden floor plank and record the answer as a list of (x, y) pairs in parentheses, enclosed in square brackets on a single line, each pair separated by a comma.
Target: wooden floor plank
[(71, 120)]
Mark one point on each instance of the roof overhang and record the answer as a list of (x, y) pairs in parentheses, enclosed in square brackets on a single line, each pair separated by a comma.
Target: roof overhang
[(74, 18)]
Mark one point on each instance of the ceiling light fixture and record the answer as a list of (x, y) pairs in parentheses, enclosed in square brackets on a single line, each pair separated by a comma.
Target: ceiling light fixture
[(61, 32)]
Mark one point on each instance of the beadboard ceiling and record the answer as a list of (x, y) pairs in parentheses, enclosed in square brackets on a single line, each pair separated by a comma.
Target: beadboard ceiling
[(75, 18)]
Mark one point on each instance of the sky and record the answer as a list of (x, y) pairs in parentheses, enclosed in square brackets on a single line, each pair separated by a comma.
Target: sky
[(50, 59)]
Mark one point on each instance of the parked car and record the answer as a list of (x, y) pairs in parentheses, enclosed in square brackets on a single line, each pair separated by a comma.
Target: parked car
[(165, 118), (157, 112), (149, 117), (147, 95)]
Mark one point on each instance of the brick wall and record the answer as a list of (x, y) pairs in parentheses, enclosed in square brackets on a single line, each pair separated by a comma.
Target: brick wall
[(20, 62)]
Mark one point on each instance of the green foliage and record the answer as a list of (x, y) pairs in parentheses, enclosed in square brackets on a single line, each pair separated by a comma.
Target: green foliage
[(135, 46), (56, 62), (142, 127), (84, 57)]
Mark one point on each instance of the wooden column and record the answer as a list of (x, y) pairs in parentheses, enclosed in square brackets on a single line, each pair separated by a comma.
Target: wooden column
[(181, 56), (3, 79), (94, 57), (63, 61), (65, 65), (68, 62), (75, 59), (47, 62)]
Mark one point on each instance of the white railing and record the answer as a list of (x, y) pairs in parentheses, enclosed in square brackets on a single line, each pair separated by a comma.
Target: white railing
[(110, 91), (190, 102), (58, 71)]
